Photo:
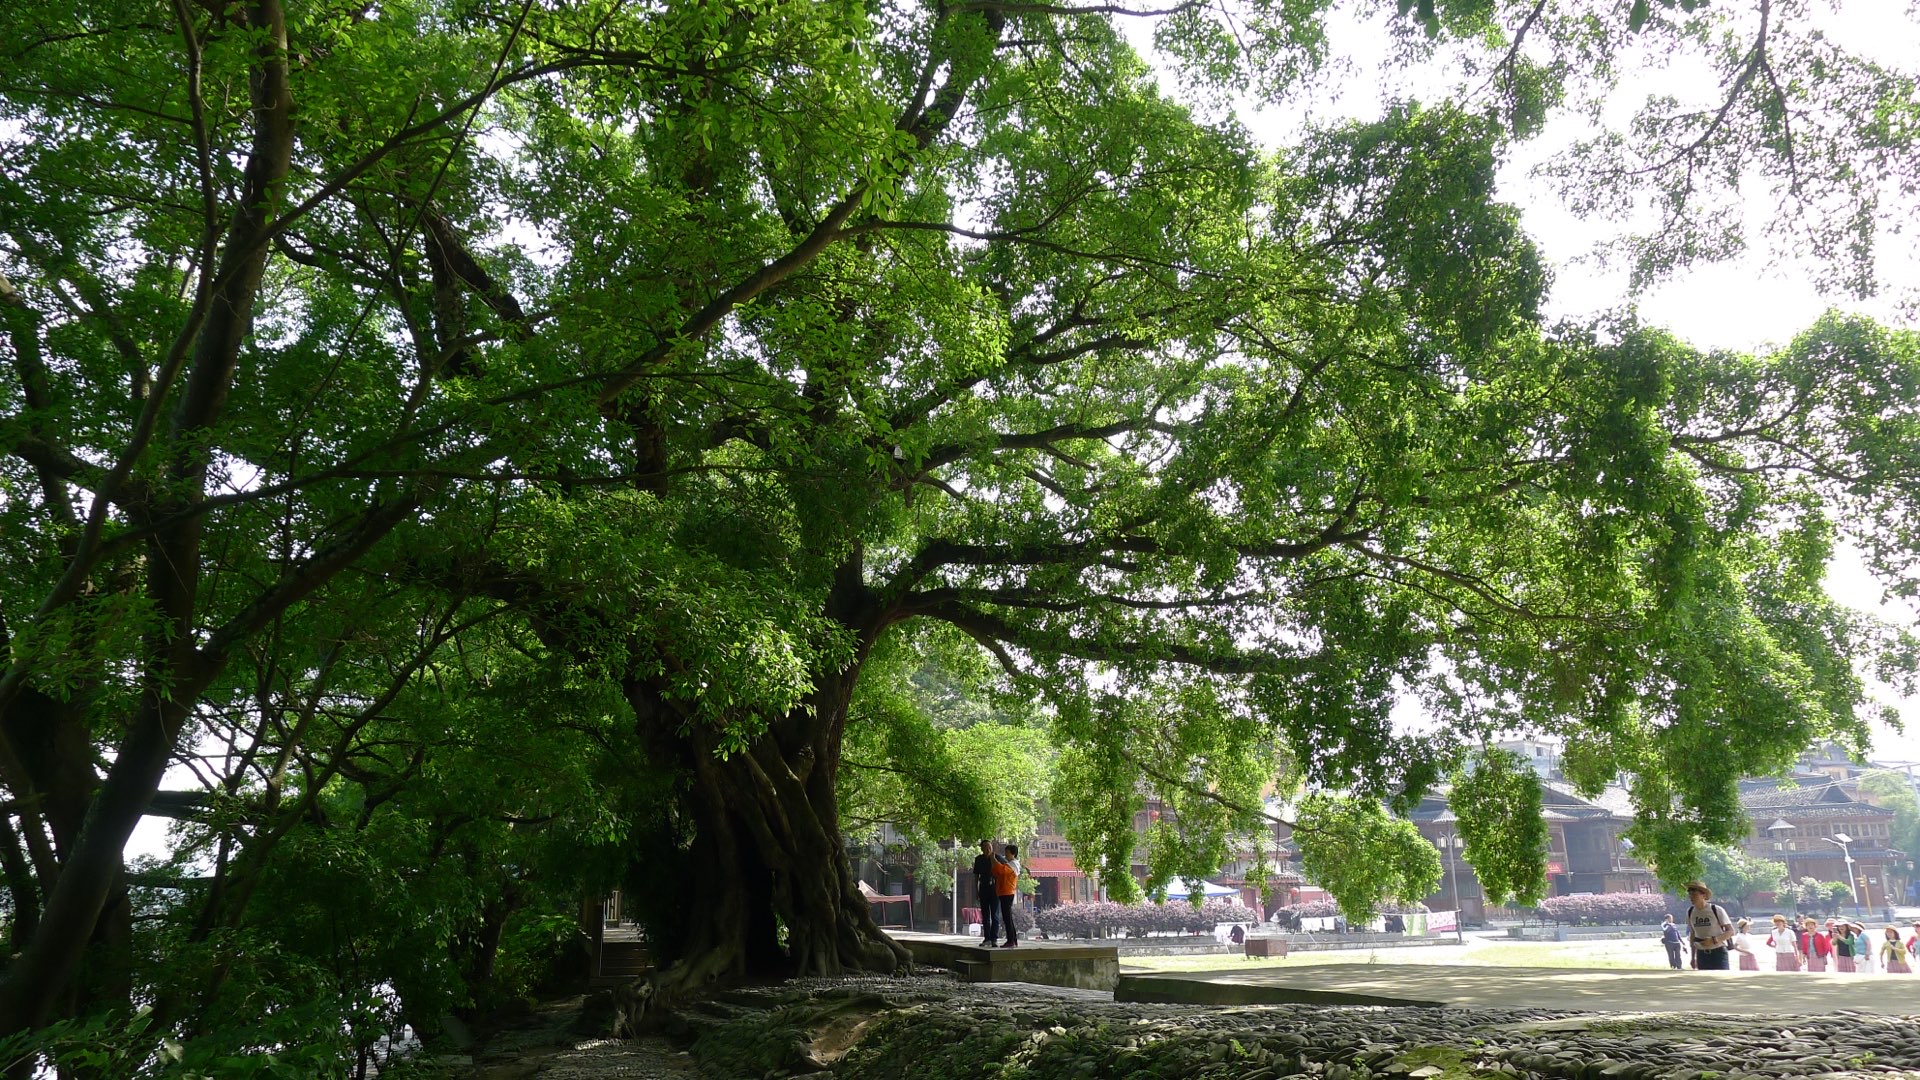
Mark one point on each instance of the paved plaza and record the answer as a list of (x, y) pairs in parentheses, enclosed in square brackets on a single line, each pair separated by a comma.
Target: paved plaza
[(1735, 993)]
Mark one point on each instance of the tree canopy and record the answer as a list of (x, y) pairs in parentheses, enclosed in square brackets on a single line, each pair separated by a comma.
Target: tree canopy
[(494, 445)]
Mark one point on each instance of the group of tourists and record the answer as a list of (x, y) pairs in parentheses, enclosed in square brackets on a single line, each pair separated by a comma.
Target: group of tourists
[(996, 878), (1838, 945)]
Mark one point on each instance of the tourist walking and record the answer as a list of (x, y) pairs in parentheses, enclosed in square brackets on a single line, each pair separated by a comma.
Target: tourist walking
[(1843, 946), (1006, 880), (1711, 930), (1864, 961), (1893, 954), (1815, 945), (1670, 937), (1747, 944), (984, 890), (1785, 944)]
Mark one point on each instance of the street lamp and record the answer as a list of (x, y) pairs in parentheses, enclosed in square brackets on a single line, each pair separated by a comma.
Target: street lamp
[(1841, 840), (1447, 840)]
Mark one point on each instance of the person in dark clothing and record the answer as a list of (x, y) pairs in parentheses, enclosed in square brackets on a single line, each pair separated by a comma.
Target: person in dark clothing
[(1670, 937), (983, 888)]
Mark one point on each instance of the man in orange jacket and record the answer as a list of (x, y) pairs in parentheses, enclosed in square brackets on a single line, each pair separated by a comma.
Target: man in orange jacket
[(1005, 880)]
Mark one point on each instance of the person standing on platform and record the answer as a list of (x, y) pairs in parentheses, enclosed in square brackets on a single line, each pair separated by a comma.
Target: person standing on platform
[(983, 888), (1006, 880)]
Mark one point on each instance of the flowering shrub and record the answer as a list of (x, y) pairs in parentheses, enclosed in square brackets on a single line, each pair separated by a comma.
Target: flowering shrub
[(1327, 909), (1104, 918), (1621, 908), (1022, 918)]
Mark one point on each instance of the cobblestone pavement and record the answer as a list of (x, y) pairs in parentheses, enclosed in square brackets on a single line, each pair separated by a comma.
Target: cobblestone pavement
[(1069, 1034), (935, 1026)]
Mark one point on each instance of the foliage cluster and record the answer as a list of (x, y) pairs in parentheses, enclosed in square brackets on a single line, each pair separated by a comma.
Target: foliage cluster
[(1497, 798), (1894, 790), (1401, 864), (938, 752), (1736, 876), (1811, 896)]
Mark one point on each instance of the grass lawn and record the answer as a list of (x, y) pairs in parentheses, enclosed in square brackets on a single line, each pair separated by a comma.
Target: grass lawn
[(1475, 953)]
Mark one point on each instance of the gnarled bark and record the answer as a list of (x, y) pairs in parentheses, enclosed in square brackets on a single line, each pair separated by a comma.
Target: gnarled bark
[(768, 858)]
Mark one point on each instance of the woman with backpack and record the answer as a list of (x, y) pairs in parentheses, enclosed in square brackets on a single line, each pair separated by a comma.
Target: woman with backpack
[(1710, 929)]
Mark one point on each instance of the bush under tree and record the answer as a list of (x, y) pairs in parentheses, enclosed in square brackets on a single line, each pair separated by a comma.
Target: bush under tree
[(1621, 909)]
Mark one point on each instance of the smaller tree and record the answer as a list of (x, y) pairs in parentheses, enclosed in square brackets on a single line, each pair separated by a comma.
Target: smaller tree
[(1735, 875), (1809, 895), (1894, 791)]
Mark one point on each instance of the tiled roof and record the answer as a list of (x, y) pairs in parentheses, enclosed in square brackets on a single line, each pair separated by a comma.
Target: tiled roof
[(1828, 794), (1828, 851), (1749, 784), (1822, 811), (1612, 801)]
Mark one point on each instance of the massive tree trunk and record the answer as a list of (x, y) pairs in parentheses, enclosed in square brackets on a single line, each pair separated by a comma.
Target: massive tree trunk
[(771, 894)]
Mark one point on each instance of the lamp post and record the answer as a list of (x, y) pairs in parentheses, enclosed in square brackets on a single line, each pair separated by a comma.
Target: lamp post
[(1841, 840), (1779, 827), (1447, 840)]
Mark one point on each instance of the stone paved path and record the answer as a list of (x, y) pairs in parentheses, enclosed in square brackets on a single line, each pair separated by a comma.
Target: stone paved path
[(1623, 991), (931, 1025), (943, 1028)]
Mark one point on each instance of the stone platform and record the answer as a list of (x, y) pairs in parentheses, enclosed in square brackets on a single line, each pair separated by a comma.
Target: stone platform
[(1622, 991), (1083, 965)]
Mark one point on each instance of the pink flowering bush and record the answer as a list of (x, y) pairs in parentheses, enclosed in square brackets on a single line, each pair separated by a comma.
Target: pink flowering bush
[(1327, 909), (1104, 918), (1625, 909)]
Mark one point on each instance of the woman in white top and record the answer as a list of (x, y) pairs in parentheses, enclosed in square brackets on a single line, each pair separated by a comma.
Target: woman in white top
[(1786, 945), (1748, 945)]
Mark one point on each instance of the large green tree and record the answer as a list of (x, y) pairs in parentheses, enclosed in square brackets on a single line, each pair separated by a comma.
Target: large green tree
[(712, 345)]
